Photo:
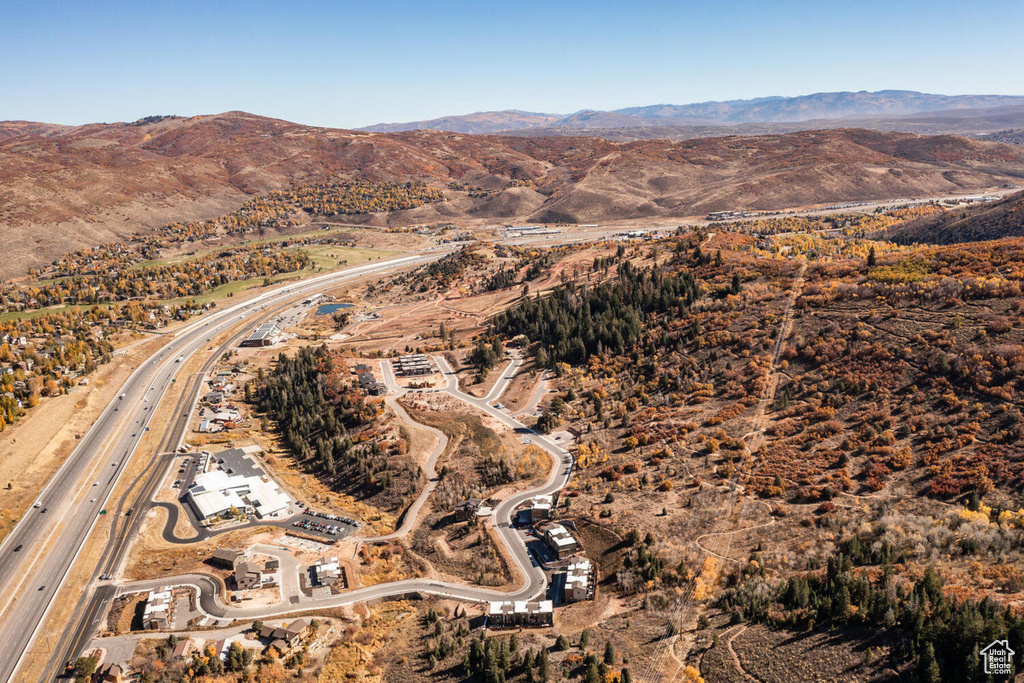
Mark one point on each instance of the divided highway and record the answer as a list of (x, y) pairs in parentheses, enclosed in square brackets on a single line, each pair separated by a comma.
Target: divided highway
[(40, 551)]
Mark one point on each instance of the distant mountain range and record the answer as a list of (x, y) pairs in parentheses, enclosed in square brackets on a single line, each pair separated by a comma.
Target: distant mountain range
[(887, 108)]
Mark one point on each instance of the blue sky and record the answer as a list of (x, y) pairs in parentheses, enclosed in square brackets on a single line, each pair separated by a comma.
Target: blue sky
[(352, 64)]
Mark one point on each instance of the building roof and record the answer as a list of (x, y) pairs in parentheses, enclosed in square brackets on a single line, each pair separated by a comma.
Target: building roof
[(262, 332), (227, 554), (247, 569)]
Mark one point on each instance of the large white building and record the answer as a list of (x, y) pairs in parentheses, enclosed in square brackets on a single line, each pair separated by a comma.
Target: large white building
[(216, 492)]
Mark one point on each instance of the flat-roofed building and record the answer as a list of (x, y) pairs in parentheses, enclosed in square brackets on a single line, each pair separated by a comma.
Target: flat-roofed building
[(215, 493), (540, 508), (579, 583), (263, 335), (520, 613), (156, 615), (561, 542), (415, 364)]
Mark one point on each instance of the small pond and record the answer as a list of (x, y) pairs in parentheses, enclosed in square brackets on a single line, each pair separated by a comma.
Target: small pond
[(327, 309)]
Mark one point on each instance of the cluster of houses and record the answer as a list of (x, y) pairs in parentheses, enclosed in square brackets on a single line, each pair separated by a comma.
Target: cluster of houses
[(224, 414), (579, 573)]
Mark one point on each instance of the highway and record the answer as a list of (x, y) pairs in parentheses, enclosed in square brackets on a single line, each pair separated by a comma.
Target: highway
[(40, 551), (534, 580)]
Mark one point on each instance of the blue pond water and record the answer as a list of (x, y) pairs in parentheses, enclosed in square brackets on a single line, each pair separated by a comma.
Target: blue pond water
[(327, 309)]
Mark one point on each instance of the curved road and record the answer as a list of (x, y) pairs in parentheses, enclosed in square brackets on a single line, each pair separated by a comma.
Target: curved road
[(535, 580), (39, 552)]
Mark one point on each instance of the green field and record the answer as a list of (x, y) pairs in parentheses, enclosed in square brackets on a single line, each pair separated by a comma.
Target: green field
[(325, 258)]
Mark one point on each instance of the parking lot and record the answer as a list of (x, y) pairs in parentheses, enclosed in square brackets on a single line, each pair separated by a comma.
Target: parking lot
[(320, 525)]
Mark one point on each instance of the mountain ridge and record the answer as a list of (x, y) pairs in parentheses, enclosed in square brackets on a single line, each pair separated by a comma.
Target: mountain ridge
[(772, 109), (87, 185)]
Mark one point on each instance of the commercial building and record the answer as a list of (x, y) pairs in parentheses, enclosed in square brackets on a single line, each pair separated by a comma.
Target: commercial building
[(263, 335), (520, 613), (579, 581), (216, 493), (156, 615), (560, 541)]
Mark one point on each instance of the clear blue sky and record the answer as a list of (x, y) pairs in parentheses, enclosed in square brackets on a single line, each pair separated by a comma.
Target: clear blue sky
[(350, 64)]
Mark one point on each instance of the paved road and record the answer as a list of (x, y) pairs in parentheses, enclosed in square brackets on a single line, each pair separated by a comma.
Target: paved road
[(539, 391), (409, 517), (501, 386), (534, 582), (50, 541)]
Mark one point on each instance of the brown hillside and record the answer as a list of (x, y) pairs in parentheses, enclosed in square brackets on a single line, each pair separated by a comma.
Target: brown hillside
[(1001, 219), (64, 188)]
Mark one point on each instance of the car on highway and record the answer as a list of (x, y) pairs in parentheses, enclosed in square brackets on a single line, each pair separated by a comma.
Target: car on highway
[(114, 464), (95, 483), (42, 587), (18, 547), (38, 504)]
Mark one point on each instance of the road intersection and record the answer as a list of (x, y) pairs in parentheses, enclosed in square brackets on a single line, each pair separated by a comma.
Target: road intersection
[(51, 535)]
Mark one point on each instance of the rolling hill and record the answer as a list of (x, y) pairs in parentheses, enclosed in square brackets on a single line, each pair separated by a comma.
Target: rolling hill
[(66, 188), (1000, 219)]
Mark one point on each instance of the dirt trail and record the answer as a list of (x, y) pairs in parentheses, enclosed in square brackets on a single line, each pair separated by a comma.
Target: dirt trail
[(755, 437), (735, 657)]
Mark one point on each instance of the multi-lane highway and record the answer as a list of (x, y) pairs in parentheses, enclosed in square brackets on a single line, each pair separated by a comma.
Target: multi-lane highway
[(40, 551)]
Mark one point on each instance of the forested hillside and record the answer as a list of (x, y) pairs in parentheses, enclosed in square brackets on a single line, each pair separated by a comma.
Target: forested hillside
[(323, 419), (574, 323)]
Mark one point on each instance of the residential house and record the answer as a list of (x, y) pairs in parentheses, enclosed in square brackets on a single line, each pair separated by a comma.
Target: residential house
[(247, 576), (226, 557)]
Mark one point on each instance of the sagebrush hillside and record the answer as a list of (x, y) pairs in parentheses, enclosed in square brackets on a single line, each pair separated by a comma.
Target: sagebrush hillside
[(971, 224), (67, 188)]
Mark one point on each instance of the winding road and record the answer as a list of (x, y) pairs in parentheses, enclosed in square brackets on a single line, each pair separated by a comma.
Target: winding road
[(38, 554), (534, 582)]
